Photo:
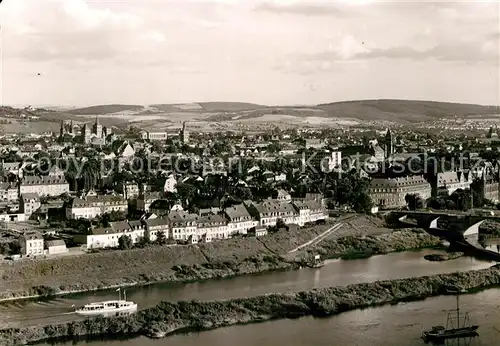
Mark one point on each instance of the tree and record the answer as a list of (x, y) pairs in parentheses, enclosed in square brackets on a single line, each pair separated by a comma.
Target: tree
[(142, 242), (281, 224), (462, 199), (124, 242), (186, 192), (161, 238), (414, 201)]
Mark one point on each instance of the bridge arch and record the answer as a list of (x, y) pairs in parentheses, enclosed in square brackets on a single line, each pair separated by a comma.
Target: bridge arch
[(474, 229), (434, 223)]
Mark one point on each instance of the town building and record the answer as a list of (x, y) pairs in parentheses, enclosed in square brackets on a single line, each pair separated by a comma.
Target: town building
[(29, 203), (451, 181), (258, 231), (269, 211), (31, 243), (183, 226), (239, 219), (282, 195), (145, 200), (310, 211), (323, 160), (156, 226), (56, 247), (44, 185), (170, 184), (211, 227), (8, 192), (154, 136), (128, 189), (108, 237), (391, 192), (92, 206)]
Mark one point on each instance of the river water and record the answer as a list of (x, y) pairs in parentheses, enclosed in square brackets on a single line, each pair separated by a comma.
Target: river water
[(397, 325), (334, 273)]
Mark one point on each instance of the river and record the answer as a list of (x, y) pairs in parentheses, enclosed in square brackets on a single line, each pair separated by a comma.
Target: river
[(334, 273), (393, 325)]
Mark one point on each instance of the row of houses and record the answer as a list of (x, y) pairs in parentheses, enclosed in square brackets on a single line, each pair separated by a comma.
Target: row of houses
[(180, 225)]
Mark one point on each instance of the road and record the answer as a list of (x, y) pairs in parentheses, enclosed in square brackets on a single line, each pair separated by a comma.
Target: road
[(318, 238)]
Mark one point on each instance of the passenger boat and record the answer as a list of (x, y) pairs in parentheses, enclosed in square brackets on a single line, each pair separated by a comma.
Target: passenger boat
[(109, 308), (452, 330)]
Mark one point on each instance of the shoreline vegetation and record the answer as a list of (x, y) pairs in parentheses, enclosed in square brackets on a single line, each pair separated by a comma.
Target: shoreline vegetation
[(168, 318), (225, 259)]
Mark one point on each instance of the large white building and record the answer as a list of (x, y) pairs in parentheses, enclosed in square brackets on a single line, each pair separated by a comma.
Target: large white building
[(269, 211), (211, 227), (44, 185), (183, 225), (31, 244), (154, 136), (239, 219), (155, 226), (452, 181), (310, 211), (93, 206), (391, 192), (109, 237)]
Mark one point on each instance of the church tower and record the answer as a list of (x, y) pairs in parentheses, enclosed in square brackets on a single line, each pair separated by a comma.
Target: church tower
[(184, 134), (389, 144), (86, 134), (97, 128), (62, 130)]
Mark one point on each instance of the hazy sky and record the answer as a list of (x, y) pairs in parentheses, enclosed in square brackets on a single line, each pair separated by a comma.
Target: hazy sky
[(281, 52)]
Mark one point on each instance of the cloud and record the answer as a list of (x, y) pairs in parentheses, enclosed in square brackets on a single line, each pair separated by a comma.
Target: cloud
[(301, 9), (72, 29), (470, 52), (459, 51)]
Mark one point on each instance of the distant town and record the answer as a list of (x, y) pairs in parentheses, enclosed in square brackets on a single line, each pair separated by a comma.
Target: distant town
[(90, 187)]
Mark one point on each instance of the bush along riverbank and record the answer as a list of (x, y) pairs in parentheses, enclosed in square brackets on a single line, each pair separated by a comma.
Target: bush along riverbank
[(184, 263), (357, 247), (167, 317)]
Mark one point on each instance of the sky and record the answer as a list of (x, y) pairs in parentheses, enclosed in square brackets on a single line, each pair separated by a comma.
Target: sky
[(89, 52)]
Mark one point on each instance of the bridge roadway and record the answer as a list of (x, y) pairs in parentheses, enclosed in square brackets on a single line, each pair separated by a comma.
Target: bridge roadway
[(458, 220), (461, 229)]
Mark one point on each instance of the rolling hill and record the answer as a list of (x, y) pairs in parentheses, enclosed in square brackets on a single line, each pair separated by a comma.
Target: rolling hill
[(404, 110), (105, 109), (230, 106)]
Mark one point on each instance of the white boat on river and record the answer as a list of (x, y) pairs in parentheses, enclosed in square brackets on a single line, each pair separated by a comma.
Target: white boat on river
[(109, 308)]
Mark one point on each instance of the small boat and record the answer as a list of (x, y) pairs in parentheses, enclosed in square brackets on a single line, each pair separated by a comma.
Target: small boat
[(316, 262), (109, 308), (452, 330)]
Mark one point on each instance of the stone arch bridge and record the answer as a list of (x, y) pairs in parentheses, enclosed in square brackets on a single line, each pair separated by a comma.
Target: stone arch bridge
[(449, 225)]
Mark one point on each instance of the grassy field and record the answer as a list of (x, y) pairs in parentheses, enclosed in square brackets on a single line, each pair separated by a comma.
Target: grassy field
[(104, 109), (25, 126)]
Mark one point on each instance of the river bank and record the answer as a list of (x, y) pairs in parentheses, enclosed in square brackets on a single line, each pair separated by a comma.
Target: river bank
[(168, 317), (224, 259)]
